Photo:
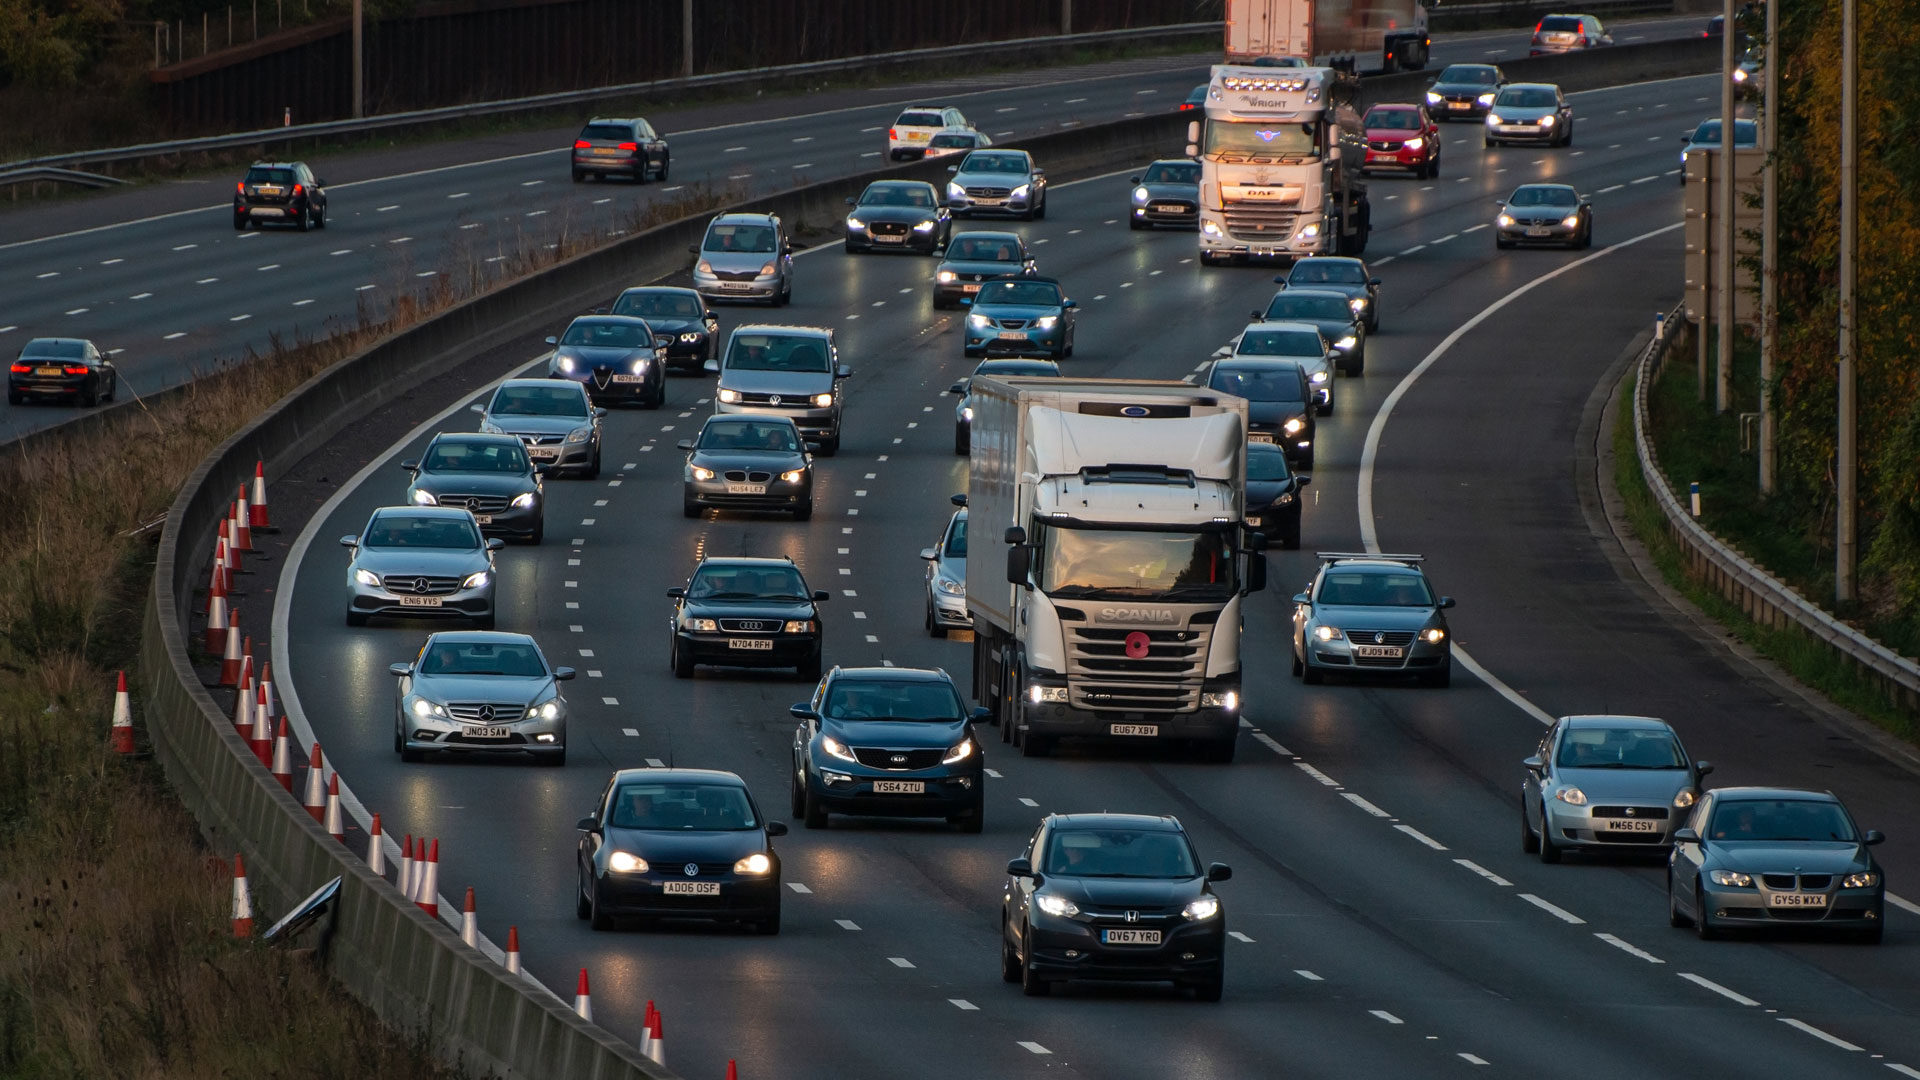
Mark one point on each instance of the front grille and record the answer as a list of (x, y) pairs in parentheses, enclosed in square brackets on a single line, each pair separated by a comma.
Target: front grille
[(879, 758), (537, 439), (1144, 918), (1535, 221), (1251, 221), (479, 504), (989, 192), (1012, 324), (1803, 882), (889, 228), (1815, 882), (1654, 813), (743, 476), (486, 712), (1377, 144), (1167, 679), (736, 275), (1396, 638), (1613, 837), (751, 626), (786, 401), (421, 584)]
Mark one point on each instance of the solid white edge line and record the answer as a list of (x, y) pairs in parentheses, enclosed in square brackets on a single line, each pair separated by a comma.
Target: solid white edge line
[(1904, 1070), (1370, 451), (1903, 904), (1708, 984), (1802, 1025)]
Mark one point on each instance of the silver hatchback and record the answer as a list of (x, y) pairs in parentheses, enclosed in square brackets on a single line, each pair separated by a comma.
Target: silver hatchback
[(1607, 783), (790, 371), (745, 257)]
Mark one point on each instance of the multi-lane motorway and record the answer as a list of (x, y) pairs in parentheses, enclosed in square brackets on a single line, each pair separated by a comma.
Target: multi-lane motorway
[(1384, 920), (158, 277)]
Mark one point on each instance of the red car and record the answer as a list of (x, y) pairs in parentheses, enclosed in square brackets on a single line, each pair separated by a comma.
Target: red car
[(1402, 138)]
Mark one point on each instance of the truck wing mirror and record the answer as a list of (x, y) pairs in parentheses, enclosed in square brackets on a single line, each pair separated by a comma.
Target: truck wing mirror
[(1016, 535), (1019, 564)]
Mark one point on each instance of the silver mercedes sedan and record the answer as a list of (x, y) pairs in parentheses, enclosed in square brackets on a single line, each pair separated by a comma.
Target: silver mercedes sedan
[(480, 691), (1607, 783), (415, 561)]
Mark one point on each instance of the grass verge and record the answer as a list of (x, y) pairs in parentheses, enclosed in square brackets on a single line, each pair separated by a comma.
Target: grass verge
[(1805, 657)]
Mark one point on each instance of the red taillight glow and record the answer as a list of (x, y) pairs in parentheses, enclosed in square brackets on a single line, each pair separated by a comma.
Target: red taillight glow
[(581, 144), (1537, 26), (298, 190), (240, 188), (21, 369), (71, 370), (629, 146), (893, 133)]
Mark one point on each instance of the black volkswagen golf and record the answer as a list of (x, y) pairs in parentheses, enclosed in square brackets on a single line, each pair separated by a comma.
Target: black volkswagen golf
[(743, 612), (889, 741), (1117, 897)]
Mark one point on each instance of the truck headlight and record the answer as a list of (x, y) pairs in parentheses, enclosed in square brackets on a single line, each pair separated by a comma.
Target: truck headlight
[(523, 500), (979, 322), (1310, 232), (1226, 699), (756, 863), (1210, 228), (699, 625), (1140, 195), (625, 862), (700, 472), (476, 580), (1328, 633), (1040, 695), (966, 412), (425, 498)]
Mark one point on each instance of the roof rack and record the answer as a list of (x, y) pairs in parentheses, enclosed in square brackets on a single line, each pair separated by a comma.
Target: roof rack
[(1335, 556)]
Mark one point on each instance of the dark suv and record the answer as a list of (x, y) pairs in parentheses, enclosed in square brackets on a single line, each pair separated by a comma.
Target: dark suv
[(284, 192), (889, 741), (744, 612), (619, 146)]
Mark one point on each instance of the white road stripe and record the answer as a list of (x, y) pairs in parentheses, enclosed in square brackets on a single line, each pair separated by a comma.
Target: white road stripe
[(1630, 950), (1024, 801), (1473, 228), (1484, 872), (655, 763), (1238, 936), (1364, 804), (963, 1005), (799, 888), (1609, 188), (1422, 837), (1553, 909), (1472, 1059), (631, 733), (1387, 1016), (1903, 904), (1414, 248), (995, 773), (1316, 774), (1034, 1047), (899, 961), (1267, 741), (1802, 1025), (847, 924), (1308, 975), (1903, 1070)]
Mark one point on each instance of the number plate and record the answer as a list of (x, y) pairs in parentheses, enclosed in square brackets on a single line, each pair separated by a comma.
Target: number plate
[(1259, 436), (735, 285), (419, 601), (1627, 825), (543, 453), (919, 136), (1013, 335), (1133, 729), (1254, 520), (885, 238), (755, 644), (691, 888), (46, 371), (1130, 937), (1169, 208), (1459, 104), (746, 489), (1381, 652), (899, 787), (485, 733), (629, 378), (1794, 899), (988, 202), (483, 519), (268, 211), (604, 151), (1538, 230), (970, 287), (267, 189)]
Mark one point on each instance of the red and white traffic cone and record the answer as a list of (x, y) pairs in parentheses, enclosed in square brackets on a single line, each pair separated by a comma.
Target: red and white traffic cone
[(646, 1031), (406, 868), (243, 697), (733, 1073), (656, 1040), (231, 530), (376, 848), (260, 738), (283, 757), (336, 828), (230, 658), (469, 921), (223, 563), (242, 900), (217, 621), (122, 718), (243, 521), (513, 950), (258, 507), (265, 682), (216, 580), (582, 999), (316, 790), (427, 881)]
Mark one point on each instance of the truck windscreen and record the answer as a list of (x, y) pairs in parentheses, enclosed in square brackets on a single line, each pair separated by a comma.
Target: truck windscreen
[(1234, 140), (1114, 564)]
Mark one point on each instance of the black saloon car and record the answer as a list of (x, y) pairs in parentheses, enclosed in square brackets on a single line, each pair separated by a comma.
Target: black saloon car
[(619, 146), (744, 612), (1114, 897), (489, 475), (67, 369), (1278, 397), (747, 461), (888, 741), (975, 257), (963, 412), (280, 192), (898, 215), (678, 844), (1274, 497), (616, 357), (679, 318), (1464, 90), (1332, 314), (1342, 274)]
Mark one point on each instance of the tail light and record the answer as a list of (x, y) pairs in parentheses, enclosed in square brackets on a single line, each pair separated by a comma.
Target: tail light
[(629, 146), (72, 370), (299, 190), (21, 369), (1537, 26), (1581, 40), (240, 188), (581, 144), (893, 133)]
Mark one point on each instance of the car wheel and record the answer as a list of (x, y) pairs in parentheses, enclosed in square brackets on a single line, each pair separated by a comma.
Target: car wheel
[(974, 820), (1031, 983), (597, 919), (665, 164), (786, 293), (1325, 408), (796, 796), (1009, 960), (320, 219), (578, 176), (934, 629), (1211, 989), (15, 399), (1311, 675), (1298, 667), (1136, 224), (803, 512), (1060, 353), (1586, 235), (1502, 242), (767, 925), (1491, 143), (850, 249), (356, 618), (239, 223), (538, 534), (1529, 843), (962, 445), (581, 908), (812, 814), (1568, 141), (689, 508), (1870, 936), (89, 399), (1702, 922), (553, 759), (1675, 917), (1433, 170), (659, 395), (306, 219), (1549, 851), (1041, 212), (593, 466), (682, 663)]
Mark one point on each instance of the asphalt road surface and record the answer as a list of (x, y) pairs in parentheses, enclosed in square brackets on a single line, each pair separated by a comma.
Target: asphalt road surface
[(1384, 921)]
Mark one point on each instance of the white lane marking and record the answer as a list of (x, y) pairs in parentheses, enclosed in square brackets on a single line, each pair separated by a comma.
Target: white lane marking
[(206, 281), (741, 176), (576, 628), (1387, 1016), (588, 653), (1034, 1047), (426, 273), (899, 961), (1024, 801), (859, 614), (1385, 261), (609, 701), (175, 334), (1629, 949), (803, 138), (459, 195), (799, 888), (1267, 741), (79, 311), (1308, 975), (603, 202), (733, 149), (384, 209), (1008, 109), (342, 251), (1143, 93), (1238, 936), (1644, 180), (1903, 904), (872, 640), (135, 296), (586, 521), (1472, 1059), (1610, 188), (1553, 909), (963, 1005), (995, 773), (111, 262), (185, 247), (5, 329), (1473, 228), (1316, 774), (302, 303), (1449, 236), (1422, 837), (1075, 100), (632, 733), (847, 924), (1414, 248), (804, 165), (1903, 1070), (1802, 1025), (531, 183), (1484, 872), (676, 187), (400, 240), (871, 153), (655, 763), (1364, 804), (1370, 452), (240, 318)]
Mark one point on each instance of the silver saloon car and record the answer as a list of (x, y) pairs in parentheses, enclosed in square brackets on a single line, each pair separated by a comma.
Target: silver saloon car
[(1530, 113), (1367, 613), (421, 561), (1000, 183), (490, 476), (947, 576), (554, 418), (480, 691), (1606, 783)]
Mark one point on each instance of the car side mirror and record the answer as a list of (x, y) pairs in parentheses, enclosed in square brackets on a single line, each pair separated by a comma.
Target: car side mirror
[(850, 201), (693, 249), (1685, 836), (1373, 282), (350, 541), (842, 372), (1021, 868), (1702, 768), (477, 407), (1533, 764), (1068, 304), (494, 543), (1302, 598), (589, 823), (711, 365), (551, 340), (1133, 180), (980, 715), (958, 498), (1874, 836), (562, 674), (1219, 871), (1281, 281), (410, 466), (929, 553), (953, 168), (1223, 352), (1332, 355), (776, 828), (677, 593), (599, 414), (1257, 315), (821, 596), (1446, 602), (400, 671), (685, 444), (800, 710), (319, 183)]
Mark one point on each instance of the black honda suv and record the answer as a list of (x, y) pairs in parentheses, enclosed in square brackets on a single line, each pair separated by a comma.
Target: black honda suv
[(741, 612)]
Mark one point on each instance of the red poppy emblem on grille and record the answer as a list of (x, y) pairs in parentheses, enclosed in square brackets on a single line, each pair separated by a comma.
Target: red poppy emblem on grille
[(1136, 645)]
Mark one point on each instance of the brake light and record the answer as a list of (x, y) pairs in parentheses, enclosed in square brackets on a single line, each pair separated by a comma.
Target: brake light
[(21, 369), (240, 188), (71, 370), (581, 144), (1537, 26), (893, 133), (299, 190), (629, 146)]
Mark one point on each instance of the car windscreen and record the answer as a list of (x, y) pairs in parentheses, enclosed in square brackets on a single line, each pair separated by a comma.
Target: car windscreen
[(994, 163), (1177, 172), (1461, 74), (1543, 196), (1287, 306), (1232, 140), (752, 239), (659, 305), (1017, 367), (1526, 99), (476, 455), (957, 539), (1326, 272), (1619, 748), (749, 435), (955, 142), (686, 807), (747, 583), (1279, 343), (892, 699), (1393, 119), (411, 531), (264, 175), (1373, 588), (1028, 293), (777, 352), (903, 194), (1266, 462), (1282, 384), (512, 659), (607, 133), (1780, 820), (1118, 853), (1116, 564), (965, 248), (55, 350), (557, 400), (920, 119), (1708, 133), (1197, 95), (608, 335)]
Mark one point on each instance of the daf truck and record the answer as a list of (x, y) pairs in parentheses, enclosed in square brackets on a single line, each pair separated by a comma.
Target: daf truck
[(1110, 560), (1347, 34)]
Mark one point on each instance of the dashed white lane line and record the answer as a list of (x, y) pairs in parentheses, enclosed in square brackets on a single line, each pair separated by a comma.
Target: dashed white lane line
[(847, 924), (741, 176), (632, 733), (206, 281), (384, 209), (1802, 1025), (1904, 1071), (576, 628), (175, 334), (342, 251), (995, 773), (1630, 949), (79, 311), (1034, 1047), (185, 247), (1473, 228), (1472, 1059), (1422, 837), (799, 888), (1075, 100), (1316, 774), (269, 266), (872, 640), (1484, 872), (1267, 741), (1364, 804), (1385, 1015), (400, 240), (427, 273), (655, 763), (240, 318), (609, 701), (899, 961), (530, 183), (459, 195), (111, 262), (135, 296), (963, 1005), (859, 614), (676, 187), (1414, 248), (302, 303), (1553, 909), (1644, 180), (586, 521), (804, 165), (1610, 187), (1024, 801), (1449, 236), (588, 653), (603, 202), (1238, 936), (803, 138), (1308, 975), (1383, 262), (733, 150)]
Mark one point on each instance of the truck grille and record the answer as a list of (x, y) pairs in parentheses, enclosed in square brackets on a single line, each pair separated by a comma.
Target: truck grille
[(1167, 679), (479, 504), (1251, 222)]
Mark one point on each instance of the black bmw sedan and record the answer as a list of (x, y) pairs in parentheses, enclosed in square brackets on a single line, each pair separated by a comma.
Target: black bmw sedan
[(745, 461), (65, 369), (616, 357), (1113, 897), (746, 612), (678, 844)]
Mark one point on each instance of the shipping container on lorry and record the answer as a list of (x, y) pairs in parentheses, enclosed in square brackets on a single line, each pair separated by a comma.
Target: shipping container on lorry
[(1354, 35), (1109, 560)]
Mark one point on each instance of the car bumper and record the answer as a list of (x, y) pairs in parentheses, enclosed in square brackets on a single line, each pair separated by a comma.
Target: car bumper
[(439, 735), (1295, 446), (1284, 519), (814, 424), (779, 494), (618, 164), (786, 650), (688, 355), (1338, 656), (464, 604), (1008, 207), (47, 386), (1152, 214), (712, 287), (920, 242), (907, 150), (1540, 234), (560, 456), (1216, 240), (1523, 132), (1066, 949), (624, 387), (1846, 909), (1575, 826), (1382, 159), (1469, 110), (846, 788), (264, 211), (644, 895), (950, 612), (1023, 343)]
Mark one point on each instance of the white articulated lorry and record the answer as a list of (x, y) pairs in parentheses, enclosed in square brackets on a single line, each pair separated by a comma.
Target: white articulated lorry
[(1109, 561), (1346, 34)]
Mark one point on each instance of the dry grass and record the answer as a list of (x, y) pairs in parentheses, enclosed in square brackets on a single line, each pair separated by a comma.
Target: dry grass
[(117, 958)]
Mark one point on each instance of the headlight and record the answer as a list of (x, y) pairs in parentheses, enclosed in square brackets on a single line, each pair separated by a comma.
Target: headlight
[(756, 863), (1046, 322), (546, 710), (1739, 74), (1309, 232), (476, 580), (855, 223), (1492, 120), (700, 472), (835, 748), (958, 752), (1433, 98), (799, 626), (1347, 342), (1225, 699), (703, 625), (1860, 881), (924, 226), (950, 586), (1433, 635), (1358, 303), (1022, 191), (729, 396), (1040, 695), (1546, 121), (423, 707), (1685, 799), (622, 862), (639, 367), (967, 412), (1054, 905), (945, 276), (564, 363), (1572, 796), (1413, 144), (1506, 221), (1731, 877), (580, 434), (1285, 499), (704, 267), (1205, 907), (690, 338), (523, 500), (979, 322), (1328, 633), (1317, 377), (793, 476), (425, 498), (1210, 228), (1140, 195), (367, 577), (823, 400), (767, 270), (1570, 220), (1485, 99), (955, 191), (1294, 426)]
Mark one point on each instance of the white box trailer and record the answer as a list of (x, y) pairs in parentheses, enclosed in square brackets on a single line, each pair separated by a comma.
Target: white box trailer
[(1353, 34)]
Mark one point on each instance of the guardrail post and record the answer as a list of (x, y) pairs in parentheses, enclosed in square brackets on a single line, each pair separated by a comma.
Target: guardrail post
[(686, 38), (359, 102), (1066, 17)]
